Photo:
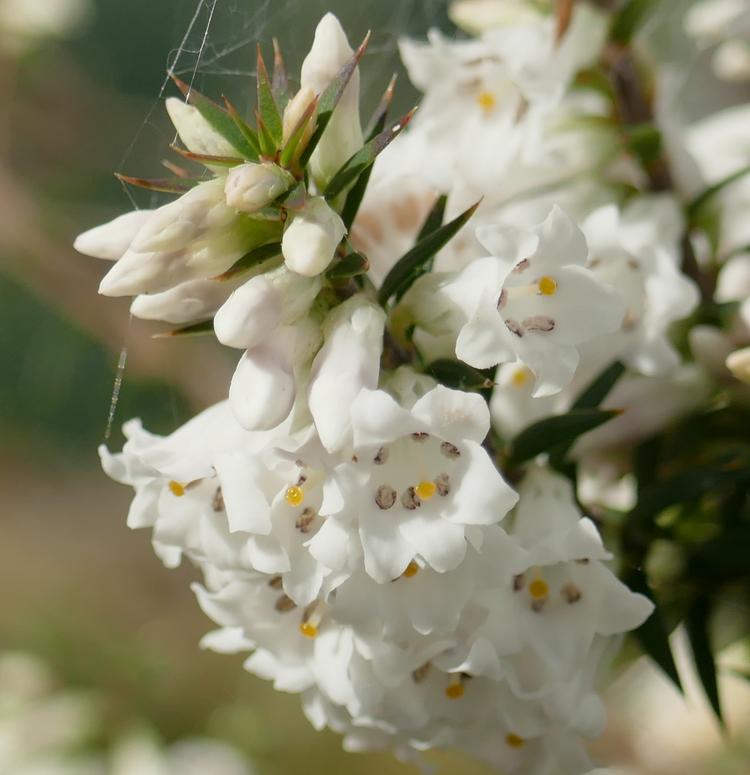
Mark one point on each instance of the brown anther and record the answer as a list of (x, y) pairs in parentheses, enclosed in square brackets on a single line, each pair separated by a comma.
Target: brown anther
[(571, 593), (410, 500), (305, 520), (583, 561), (302, 479), (450, 451), (521, 266), (275, 582), (514, 327), (502, 298), (381, 457), (538, 604), (443, 484), (385, 496), (217, 502), (284, 604), (539, 323), (420, 673), (518, 582), (420, 436)]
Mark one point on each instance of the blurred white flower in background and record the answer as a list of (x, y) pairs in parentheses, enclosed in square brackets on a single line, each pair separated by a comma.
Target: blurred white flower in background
[(26, 23)]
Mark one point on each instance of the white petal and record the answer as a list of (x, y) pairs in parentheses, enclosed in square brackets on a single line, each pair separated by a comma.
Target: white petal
[(111, 240)]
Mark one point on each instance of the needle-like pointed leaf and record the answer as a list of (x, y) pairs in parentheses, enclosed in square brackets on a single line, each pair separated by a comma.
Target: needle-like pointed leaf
[(206, 159), (414, 263), (267, 107), (697, 623), (434, 219), (251, 260), (365, 157), (351, 265), (168, 185), (202, 328), (380, 116), (458, 375), (267, 143), (548, 433), (280, 77), (250, 135), (330, 97), (289, 150), (219, 119)]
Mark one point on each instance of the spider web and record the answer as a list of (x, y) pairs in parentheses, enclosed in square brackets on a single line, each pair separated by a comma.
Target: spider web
[(215, 53)]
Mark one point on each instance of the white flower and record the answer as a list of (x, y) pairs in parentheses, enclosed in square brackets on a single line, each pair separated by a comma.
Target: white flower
[(311, 238), (250, 187), (293, 114), (111, 240), (637, 252), (738, 363), (25, 22), (195, 132), (184, 303), (512, 404), (348, 361), (415, 484), (534, 300), (343, 135), (726, 23)]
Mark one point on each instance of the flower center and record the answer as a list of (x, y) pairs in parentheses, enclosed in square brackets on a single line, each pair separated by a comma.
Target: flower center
[(547, 286), (294, 495), (486, 101), (520, 377), (539, 589), (176, 488), (455, 690), (311, 620), (425, 490), (514, 741)]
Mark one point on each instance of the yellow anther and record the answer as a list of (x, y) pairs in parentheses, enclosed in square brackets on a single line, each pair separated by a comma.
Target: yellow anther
[(514, 741), (411, 570), (294, 496), (177, 488), (486, 101), (454, 691), (520, 377), (547, 286), (308, 629), (425, 490), (539, 589)]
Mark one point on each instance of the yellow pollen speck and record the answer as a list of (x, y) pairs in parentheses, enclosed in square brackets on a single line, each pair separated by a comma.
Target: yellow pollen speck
[(454, 691), (425, 490), (294, 496), (177, 488), (308, 629), (547, 286), (411, 570), (514, 741), (539, 589), (486, 101), (520, 377)]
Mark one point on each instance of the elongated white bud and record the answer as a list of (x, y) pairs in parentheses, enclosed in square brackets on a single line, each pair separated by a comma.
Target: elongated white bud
[(293, 113), (111, 240), (256, 308), (738, 363), (186, 302), (249, 187), (195, 132), (343, 136), (311, 239)]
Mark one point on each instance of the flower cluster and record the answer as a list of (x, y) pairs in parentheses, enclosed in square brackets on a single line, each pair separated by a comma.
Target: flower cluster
[(382, 509)]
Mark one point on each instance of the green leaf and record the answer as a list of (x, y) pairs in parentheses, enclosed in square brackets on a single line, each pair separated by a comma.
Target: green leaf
[(202, 328), (653, 634), (206, 159), (697, 624), (365, 157), (458, 375), (629, 19), (599, 389), (250, 135), (357, 192), (434, 219), (697, 204), (219, 119), (414, 263), (329, 99), (267, 107), (289, 150), (166, 185), (350, 265), (280, 78), (550, 432), (251, 260), (267, 143)]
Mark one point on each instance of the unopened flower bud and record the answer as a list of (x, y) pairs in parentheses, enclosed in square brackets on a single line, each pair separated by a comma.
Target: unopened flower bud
[(311, 239), (343, 136), (195, 132), (738, 363), (111, 240), (293, 113), (249, 187)]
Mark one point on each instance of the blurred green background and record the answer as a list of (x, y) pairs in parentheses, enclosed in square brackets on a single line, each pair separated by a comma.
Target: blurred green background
[(76, 586)]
